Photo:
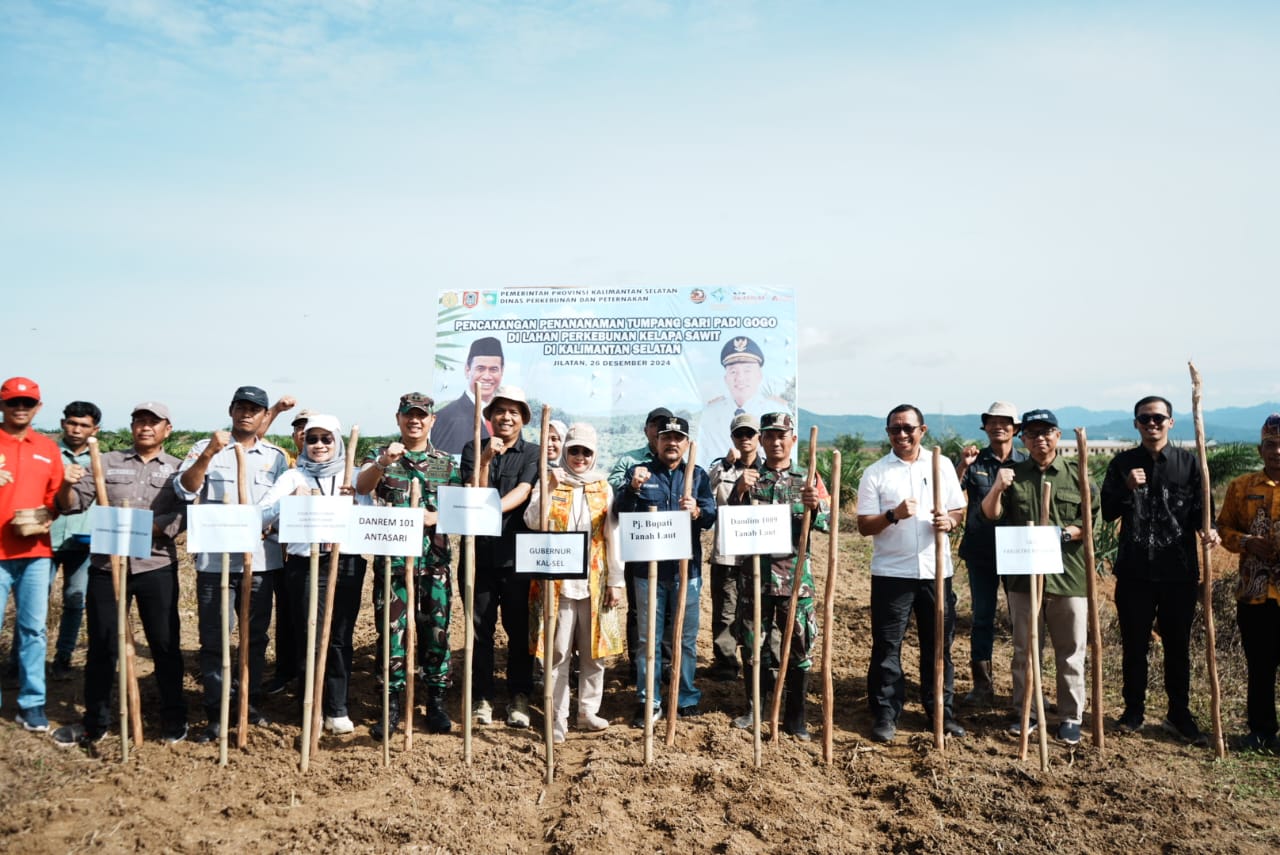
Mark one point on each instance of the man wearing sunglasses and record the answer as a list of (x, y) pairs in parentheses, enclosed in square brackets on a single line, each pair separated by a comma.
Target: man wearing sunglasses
[(895, 509), (1156, 492), (31, 473)]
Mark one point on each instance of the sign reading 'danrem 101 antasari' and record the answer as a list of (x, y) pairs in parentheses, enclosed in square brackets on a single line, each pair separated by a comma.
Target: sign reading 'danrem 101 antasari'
[(377, 530)]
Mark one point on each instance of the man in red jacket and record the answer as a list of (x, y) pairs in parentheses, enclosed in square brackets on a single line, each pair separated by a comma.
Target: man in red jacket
[(30, 475)]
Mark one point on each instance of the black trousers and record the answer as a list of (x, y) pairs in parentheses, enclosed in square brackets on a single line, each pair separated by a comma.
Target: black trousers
[(1260, 637), (288, 665), (893, 601), (155, 594), (209, 614), (501, 588), (1170, 607), (346, 608)]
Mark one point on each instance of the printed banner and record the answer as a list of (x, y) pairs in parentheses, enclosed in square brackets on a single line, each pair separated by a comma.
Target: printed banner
[(655, 536), (223, 528), (552, 554), (1022, 550), (608, 356), (753, 530), (120, 531)]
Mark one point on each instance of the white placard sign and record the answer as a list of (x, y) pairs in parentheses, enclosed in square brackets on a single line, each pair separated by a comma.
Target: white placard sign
[(223, 528), (555, 554), (753, 530), (314, 519), (655, 536), (1025, 549), (469, 510), (120, 531), (384, 531)]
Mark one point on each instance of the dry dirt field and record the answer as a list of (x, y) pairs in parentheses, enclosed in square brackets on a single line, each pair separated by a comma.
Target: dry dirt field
[(1143, 793)]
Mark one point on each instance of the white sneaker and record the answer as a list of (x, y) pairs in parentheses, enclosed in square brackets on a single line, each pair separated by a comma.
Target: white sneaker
[(518, 712), (558, 730), (339, 724), (484, 713), (591, 721)]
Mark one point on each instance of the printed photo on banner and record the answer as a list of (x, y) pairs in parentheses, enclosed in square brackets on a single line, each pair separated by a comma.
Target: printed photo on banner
[(608, 356)]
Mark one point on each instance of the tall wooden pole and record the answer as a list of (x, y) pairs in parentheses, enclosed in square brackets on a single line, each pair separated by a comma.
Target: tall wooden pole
[(939, 610), (549, 606), (309, 666), (1206, 565), (224, 615), (828, 615), (246, 594), (650, 653), (677, 628), (122, 670), (802, 553), (1091, 587), (469, 590), (1033, 655), (330, 594), (386, 660), (411, 626), (757, 616)]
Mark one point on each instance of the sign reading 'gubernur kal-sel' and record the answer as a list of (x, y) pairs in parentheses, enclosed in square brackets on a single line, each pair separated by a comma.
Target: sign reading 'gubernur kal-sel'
[(384, 531), (656, 536), (553, 555), (753, 530)]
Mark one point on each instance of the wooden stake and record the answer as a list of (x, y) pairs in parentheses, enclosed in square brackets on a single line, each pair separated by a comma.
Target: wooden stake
[(386, 661), (246, 593), (122, 669), (1091, 587), (757, 616), (411, 626), (802, 552), (1206, 571), (828, 614), (1033, 655), (682, 599), (224, 613), (469, 591), (650, 653), (309, 667), (330, 594), (548, 608), (939, 610)]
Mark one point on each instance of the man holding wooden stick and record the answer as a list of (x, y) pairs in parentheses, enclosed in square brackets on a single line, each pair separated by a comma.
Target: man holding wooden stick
[(389, 474), (209, 473), (896, 510), (143, 477), (1156, 492), (780, 483), (1015, 500), (659, 482)]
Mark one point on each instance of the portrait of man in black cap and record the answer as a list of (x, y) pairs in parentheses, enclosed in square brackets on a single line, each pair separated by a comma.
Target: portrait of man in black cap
[(454, 422), (743, 362)]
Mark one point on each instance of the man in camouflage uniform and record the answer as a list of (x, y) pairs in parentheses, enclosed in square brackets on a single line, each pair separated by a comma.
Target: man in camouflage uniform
[(389, 473), (779, 482)]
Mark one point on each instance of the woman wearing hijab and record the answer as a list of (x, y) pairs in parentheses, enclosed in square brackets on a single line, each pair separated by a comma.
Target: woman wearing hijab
[(580, 498), (555, 443), (320, 467)]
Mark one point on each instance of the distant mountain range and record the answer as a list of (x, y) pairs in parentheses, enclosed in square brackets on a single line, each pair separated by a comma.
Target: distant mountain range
[(1229, 424)]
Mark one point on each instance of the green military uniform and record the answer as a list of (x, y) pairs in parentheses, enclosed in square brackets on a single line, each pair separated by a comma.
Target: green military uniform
[(430, 469), (1021, 504)]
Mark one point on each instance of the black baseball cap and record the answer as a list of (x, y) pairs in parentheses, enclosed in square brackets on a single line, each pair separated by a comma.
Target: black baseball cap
[(253, 395)]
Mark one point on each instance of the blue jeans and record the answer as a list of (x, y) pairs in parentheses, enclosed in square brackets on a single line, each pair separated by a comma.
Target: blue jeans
[(28, 578), (984, 587), (667, 593), (75, 583)]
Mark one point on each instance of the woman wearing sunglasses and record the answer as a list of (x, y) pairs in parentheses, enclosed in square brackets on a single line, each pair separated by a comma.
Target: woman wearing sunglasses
[(580, 499), (320, 466)]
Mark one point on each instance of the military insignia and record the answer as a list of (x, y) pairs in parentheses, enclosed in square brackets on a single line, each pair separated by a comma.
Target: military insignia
[(739, 345)]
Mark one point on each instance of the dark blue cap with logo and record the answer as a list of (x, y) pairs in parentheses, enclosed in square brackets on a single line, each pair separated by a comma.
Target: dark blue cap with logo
[(675, 424), (1045, 416), (253, 395)]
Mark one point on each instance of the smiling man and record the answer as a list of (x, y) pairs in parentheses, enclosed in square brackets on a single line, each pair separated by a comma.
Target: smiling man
[(142, 476), (1156, 492), (895, 509), (455, 422), (209, 473), (743, 362)]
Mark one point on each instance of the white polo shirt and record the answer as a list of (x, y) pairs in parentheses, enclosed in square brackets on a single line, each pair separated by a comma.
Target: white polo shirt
[(904, 550)]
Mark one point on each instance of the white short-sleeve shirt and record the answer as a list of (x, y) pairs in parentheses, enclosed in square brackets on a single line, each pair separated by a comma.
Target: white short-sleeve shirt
[(905, 550)]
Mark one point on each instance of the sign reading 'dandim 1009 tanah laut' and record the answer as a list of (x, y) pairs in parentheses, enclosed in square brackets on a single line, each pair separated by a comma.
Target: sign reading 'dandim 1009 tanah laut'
[(609, 355)]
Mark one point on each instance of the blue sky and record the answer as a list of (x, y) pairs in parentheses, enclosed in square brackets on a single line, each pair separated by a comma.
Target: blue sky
[(1053, 203)]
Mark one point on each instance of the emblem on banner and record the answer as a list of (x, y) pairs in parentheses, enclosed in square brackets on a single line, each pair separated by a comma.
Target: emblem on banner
[(449, 300), (470, 299), (491, 298), (739, 345)]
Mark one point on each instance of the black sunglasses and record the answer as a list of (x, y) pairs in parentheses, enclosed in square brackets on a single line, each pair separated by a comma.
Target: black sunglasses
[(323, 439), (1152, 418), (21, 403), (579, 451), (907, 429), (743, 433)]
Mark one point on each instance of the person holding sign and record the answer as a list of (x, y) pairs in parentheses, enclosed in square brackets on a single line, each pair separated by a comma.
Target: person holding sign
[(319, 470), (142, 477), (31, 474), (780, 483), (580, 499), (1156, 490), (895, 509), (725, 475), (388, 474), (208, 473), (1250, 527), (659, 483), (510, 465), (1014, 499)]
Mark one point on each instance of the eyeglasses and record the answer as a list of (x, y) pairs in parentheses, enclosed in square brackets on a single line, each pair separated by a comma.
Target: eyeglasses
[(21, 403), (893, 430), (322, 439), (745, 433), (1037, 433), (1152, 418), (579, 451)]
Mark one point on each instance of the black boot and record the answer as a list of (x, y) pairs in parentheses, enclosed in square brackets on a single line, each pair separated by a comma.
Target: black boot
[(793, 718), (393, 717), (745, 720), (437, 717)]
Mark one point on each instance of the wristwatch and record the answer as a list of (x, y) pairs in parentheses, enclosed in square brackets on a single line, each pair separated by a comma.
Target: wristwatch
[(893, 520), (1066, 537)]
